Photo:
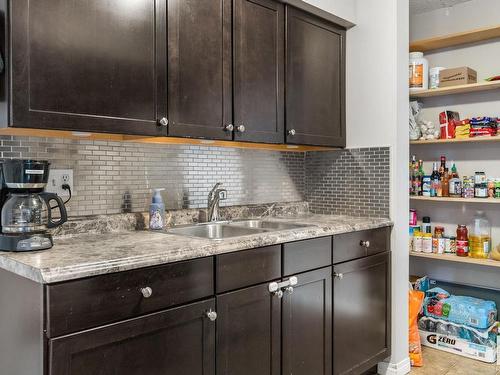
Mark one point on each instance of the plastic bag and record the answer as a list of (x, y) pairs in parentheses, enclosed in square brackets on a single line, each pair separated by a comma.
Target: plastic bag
[(416, 298)]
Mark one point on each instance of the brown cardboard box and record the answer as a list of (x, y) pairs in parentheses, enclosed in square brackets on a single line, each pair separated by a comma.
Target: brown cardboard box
[(457, 76)]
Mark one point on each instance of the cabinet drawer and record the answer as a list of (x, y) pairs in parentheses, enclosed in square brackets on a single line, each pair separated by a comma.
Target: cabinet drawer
[(306, 255), (355, 245), (81, 304), (244, 268)]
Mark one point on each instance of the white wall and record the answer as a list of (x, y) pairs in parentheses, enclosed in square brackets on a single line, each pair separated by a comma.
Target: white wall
[(484, 58), (377, 109), (461, 17), (345, 9), (377, 105)]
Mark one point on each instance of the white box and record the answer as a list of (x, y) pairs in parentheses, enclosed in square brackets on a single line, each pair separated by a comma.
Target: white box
[(458, 346)]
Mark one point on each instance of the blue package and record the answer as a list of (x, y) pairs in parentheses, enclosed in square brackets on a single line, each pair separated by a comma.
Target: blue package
[(473, 312)]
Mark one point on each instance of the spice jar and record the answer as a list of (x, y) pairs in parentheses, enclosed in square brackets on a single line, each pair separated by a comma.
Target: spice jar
[(438, 242), (480, 185), (427, 243)]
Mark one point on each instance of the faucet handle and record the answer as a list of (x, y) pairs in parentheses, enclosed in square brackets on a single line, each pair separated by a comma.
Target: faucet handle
[(214, 189), (222, 194)]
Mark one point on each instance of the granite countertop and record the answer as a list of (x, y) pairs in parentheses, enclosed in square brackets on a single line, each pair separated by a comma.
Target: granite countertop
[(78, 256)]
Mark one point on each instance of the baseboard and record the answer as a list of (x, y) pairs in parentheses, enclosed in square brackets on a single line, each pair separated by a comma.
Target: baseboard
[(401, 368)]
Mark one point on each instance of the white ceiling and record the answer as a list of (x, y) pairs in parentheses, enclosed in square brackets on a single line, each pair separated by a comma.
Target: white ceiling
[(424, 6)]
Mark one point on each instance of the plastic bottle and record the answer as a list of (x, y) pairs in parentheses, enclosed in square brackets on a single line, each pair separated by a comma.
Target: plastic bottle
[(419, 71), (157, 211), (480, 236)]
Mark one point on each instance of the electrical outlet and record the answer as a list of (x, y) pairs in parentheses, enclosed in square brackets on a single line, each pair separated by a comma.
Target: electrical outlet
[(57, 178)]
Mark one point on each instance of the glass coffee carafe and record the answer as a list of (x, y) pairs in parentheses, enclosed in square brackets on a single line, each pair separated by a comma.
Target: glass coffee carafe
[(30, 213)]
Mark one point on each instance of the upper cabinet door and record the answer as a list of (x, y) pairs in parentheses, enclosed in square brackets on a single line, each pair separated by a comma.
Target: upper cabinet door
[(315, 79), (259, 28), (199, 68), (88, 65)]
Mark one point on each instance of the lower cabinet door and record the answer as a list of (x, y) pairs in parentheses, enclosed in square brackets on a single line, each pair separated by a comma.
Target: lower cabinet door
[(249, 332), (180, 341), (361, 314), (307, 325)]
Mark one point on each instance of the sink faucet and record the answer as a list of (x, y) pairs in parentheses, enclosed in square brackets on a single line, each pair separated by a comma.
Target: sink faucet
[(214, 197)]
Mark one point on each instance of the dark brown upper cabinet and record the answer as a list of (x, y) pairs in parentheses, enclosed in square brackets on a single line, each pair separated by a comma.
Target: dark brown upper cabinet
[(199, 68), (88, 65), (259, 42), (243, 70), (315, 81)]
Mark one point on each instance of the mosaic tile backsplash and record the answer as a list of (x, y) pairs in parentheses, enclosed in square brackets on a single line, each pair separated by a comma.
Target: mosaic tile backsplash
[(354, 182), (113, 177)]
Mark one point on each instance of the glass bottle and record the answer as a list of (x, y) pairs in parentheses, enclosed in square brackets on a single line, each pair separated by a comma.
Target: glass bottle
[(445, 184), (435, 180), (480, 236)]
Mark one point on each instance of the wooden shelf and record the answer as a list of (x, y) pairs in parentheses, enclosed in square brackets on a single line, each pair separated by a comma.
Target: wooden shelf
[(457, 39), (457, 140), (454, 258), (459, 89), (457, 200)]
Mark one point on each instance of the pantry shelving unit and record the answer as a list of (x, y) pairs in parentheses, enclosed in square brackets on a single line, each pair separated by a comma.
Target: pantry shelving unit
[(454, 258), (457, 200), (459, 89), (438, 43)]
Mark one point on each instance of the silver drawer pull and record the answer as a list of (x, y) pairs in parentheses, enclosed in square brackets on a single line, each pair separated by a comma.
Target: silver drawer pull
[(147, 292), (212, 315), (293, 281), (365, 244), (339, 276)]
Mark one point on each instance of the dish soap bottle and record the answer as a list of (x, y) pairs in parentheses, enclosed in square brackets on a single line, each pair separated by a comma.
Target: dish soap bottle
[(157, 211), (480, 236)]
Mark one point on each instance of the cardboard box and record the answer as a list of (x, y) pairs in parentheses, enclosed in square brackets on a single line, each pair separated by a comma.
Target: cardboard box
[(457, 76), (456, 345)]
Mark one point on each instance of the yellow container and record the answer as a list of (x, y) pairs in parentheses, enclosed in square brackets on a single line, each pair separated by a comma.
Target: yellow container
[(479, 247)]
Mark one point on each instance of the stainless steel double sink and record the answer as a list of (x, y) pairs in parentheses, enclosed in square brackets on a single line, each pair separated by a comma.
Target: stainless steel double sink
[(228, 229)]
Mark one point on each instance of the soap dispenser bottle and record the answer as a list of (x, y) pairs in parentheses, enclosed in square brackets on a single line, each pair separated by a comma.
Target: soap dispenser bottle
[(157, 211)]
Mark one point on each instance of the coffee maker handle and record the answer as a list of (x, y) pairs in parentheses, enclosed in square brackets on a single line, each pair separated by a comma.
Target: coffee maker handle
[(48, 197)]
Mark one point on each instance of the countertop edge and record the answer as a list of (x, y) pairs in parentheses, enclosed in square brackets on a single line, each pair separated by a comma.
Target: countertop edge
[(62, 274)]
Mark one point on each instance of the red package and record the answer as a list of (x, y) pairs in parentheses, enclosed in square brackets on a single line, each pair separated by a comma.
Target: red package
[(447, 122)]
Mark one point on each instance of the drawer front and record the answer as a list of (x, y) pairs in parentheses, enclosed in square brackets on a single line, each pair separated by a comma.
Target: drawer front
[(360, 244), (81, 304), (249, 267), (307, 255)]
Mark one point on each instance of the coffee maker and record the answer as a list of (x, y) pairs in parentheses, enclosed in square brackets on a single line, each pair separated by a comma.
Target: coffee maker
[(26, 211)]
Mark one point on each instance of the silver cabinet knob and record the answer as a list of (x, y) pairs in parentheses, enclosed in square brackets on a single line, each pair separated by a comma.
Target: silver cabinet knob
[(292, 132), (212, 315), (365, 244), (164, 121), (241, 128), (293, 280), (289, 289), (229, 128), (147, 292), (279, 293), (339, 276)]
